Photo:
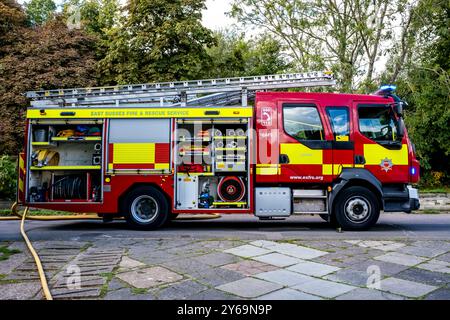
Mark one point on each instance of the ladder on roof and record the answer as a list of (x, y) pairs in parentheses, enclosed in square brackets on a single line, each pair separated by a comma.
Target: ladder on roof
[(210, 92)]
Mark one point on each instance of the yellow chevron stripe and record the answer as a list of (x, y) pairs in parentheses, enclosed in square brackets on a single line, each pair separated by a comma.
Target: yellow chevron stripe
[(301, 154), (267, 169), (375, 153)]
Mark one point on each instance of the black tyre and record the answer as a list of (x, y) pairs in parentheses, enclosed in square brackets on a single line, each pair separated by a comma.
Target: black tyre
[(146, 208), (332, 221), (356, 208)]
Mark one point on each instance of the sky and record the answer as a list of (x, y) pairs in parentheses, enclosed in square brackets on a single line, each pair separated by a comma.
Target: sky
[(214, 16)]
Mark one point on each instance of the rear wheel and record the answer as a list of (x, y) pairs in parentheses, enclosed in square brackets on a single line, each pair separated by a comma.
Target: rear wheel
[(146, 208), (356, 208)]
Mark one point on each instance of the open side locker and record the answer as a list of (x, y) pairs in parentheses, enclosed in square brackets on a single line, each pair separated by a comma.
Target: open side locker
[(65, 161), (212, 164)]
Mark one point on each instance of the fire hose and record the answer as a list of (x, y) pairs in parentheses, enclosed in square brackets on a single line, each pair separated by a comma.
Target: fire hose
[(37, 260)]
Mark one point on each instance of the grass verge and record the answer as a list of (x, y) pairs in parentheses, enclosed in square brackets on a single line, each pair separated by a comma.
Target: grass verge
[(7, 213), (5, 253), (435, 190)]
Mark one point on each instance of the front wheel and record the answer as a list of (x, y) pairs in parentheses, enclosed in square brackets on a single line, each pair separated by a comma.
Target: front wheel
[(146, 208), (356, 208), (330, 219)]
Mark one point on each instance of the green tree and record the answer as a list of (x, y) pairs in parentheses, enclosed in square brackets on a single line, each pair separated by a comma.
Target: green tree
[(8, 177), (12, 19), (235, 56), (96, 16), (425, 84), (157, 40), (45, 57), (39, 11), (346, 36)]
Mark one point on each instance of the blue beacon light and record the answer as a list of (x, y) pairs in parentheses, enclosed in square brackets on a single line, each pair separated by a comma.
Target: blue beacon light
[(388, 88)]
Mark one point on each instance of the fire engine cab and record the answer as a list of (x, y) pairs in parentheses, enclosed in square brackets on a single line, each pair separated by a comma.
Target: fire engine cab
[(150, 152)]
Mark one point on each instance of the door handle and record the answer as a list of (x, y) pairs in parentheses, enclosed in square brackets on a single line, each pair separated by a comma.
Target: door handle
[(359, 159), (284, 159)]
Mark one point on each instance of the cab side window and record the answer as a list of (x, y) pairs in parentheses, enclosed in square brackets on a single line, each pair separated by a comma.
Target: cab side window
[(339, 119), (377, 122), (302, 122)]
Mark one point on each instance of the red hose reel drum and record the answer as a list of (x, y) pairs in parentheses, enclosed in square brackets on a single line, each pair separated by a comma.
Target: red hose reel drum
[(231, 189)]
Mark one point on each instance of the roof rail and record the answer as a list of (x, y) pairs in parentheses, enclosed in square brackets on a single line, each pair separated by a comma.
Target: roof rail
[(221, 91)]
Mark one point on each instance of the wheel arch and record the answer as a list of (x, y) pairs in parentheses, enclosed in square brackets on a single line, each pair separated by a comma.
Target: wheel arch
[(356, 177), (121, 202)]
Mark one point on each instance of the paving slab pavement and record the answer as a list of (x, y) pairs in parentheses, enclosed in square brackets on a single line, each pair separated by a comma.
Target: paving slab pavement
[(149, 277), (436, 265), (277, 259), (324, 288), (288, 294), (249, 287), (313, 268), (284, 277), (160, 269), (406, 288), (401, 258)]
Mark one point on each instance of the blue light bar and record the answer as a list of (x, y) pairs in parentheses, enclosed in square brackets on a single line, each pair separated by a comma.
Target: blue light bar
[(388, 88)]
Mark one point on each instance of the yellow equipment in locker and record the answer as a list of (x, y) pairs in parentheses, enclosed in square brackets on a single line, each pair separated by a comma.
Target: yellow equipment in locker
[(41, 158)]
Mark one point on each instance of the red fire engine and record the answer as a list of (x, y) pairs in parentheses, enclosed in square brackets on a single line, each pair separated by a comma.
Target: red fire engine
[(150, 152)]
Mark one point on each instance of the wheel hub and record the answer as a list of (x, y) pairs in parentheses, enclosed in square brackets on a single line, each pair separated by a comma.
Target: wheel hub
[(357, 209), (144, 209)]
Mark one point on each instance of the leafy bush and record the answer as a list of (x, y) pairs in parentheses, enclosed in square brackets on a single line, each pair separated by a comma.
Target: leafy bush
[(8, 178), (434, 179)]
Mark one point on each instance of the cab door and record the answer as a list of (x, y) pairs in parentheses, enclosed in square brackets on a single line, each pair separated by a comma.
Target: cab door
[(385, 154), (343, 145), (305, 143), (266, 152)]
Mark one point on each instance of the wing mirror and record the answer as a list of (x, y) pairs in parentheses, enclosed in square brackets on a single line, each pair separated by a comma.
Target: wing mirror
[(400, 128), (398, 108)]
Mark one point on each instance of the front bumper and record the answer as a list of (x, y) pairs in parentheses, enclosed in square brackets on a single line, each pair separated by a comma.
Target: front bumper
[(405, 200), (414, 202)]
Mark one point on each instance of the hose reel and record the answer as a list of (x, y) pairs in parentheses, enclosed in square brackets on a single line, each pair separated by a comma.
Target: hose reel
[(231, 189)]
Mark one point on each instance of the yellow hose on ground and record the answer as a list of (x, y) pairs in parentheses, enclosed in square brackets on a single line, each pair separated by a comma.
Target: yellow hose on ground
[(44, 283), (37, 260), (48, 218), (18, 216)]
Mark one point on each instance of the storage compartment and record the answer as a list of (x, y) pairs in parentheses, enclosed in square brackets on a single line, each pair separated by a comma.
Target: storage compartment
[(217, 153), (65, 162), (230, 145), (310, 201), (273, 202), (310, 206), (187, 191)]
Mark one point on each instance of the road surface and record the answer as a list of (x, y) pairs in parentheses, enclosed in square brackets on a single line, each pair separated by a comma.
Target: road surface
[(389, 227)]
